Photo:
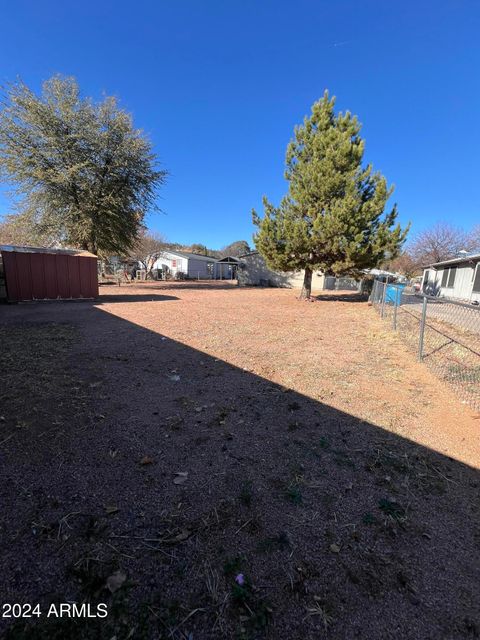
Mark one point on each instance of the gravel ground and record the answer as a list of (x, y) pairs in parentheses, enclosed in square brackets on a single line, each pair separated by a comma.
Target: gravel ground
[(215, 462)]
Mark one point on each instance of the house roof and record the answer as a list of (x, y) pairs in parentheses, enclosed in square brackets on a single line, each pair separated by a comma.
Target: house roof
[(50, 250), (184, 254), (469, 257), (228, 259)]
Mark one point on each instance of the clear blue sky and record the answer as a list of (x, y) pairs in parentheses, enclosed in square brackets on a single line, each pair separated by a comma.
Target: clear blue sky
[(219, 85)]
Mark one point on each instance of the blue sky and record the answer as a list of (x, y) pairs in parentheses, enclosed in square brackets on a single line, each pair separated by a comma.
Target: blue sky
[(219, 86)]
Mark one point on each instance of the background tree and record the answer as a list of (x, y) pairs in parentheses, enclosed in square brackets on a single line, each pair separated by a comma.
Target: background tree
[(235, 249), (333, 215), (80, 169), (440, 242), (148, 248), (200, 249), (16, 229), (405, 264), (475, 236)]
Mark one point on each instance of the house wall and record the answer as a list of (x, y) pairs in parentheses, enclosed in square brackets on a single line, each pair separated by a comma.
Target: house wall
[(462, 289), (199, 269), (179, 264), (254, 271), (175, 264)]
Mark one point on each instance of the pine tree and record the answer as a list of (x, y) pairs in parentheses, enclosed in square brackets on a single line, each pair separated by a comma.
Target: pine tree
[(332, 217)]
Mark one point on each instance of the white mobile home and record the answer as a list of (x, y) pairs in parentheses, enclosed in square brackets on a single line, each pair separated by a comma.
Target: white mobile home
[(191, 265), (458, 278), (253, 270)]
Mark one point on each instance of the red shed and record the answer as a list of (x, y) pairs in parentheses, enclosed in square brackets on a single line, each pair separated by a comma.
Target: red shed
[(32, 273)]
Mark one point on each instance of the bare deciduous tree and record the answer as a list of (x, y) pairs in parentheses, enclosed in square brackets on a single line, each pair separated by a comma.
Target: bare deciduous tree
[(148, 248), (405, 264), (440, 242), (18, 230), (476, 237)]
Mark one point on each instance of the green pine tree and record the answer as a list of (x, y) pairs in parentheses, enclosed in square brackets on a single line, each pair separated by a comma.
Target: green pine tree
[(332, 218)]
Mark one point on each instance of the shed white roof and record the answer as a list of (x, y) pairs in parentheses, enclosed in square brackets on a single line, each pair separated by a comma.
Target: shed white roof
[(190, 256)]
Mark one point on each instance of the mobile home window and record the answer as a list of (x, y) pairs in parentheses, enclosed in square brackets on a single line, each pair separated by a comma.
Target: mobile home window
[(451, 277), (476, 282), (426, 279), (448, 277)]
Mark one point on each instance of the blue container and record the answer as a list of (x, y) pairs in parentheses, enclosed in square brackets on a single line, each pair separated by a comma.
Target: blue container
[(393, 294)]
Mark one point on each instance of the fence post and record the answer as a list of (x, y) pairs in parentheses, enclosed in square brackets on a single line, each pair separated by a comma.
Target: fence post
[(384, 295), (397, 291), (422, 328)]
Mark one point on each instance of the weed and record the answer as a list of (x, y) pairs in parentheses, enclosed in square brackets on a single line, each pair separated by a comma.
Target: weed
[(221, 417), (293, 493), (233, 565), (274, 543), (324, 443), (91, 573), (170, 613), (320, 610), (246, 493), (392, 509), (212, 584), (342, 459), (369, 518), (217, 597), (294, 425), (386, 461), (253, 611)]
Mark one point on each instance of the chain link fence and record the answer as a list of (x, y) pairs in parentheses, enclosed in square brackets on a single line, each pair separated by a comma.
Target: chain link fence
[(444, 334)]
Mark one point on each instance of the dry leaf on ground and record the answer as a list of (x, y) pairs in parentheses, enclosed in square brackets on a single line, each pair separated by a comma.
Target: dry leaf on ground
[(181, 477), (115, 581), (110, 508)]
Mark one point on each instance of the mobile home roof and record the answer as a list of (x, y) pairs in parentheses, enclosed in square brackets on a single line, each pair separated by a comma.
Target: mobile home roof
[(472, 257)]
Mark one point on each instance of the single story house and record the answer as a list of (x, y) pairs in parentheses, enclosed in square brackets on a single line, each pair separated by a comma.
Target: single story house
[(190, 265), (253, 270), (458, 278)]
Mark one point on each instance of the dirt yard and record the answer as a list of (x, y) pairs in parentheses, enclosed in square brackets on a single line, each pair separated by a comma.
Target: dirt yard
[(214, 462)]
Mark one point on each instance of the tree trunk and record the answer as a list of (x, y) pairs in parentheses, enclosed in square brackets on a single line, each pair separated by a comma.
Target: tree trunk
[(307, 285)]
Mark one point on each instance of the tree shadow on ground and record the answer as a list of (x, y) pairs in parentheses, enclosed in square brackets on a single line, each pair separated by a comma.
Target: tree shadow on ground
[(341, 296), (140, 472), (129, 297), (163, 285)]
